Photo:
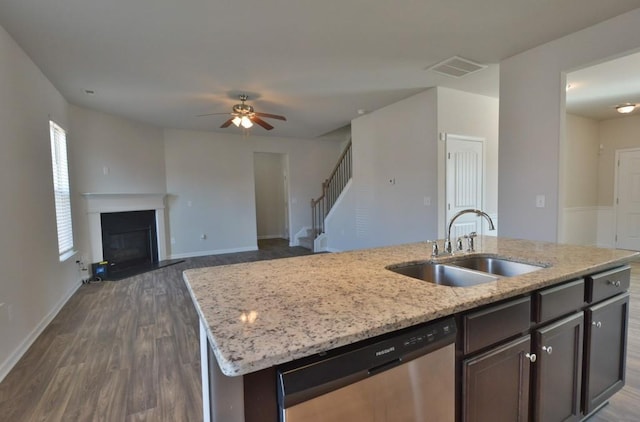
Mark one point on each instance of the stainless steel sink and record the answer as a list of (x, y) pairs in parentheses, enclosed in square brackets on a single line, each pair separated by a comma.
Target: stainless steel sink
[(445, 275), (498, 266)]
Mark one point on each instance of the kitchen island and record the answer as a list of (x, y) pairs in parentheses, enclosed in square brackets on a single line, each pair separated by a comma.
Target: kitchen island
[(259, 315)]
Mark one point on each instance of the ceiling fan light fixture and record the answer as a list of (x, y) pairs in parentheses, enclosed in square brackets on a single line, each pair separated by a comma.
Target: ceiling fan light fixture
[(626, 108), (236, 121), (246, 122)]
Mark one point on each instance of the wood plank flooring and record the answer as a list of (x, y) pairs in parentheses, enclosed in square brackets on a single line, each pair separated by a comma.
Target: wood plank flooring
[(128, 351)]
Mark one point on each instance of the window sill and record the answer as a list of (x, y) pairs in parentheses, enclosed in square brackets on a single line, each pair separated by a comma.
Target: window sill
[(67, 255)]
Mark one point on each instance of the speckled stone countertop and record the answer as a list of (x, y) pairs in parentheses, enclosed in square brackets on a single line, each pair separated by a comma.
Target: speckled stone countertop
[(266, 313)]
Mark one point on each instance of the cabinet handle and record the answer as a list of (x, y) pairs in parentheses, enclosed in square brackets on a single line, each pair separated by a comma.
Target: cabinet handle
[(614, 283), (597, 324), (531, 356), (547, 349)]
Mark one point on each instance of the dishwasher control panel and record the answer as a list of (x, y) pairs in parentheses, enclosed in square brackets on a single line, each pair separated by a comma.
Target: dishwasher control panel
[(299, 380)]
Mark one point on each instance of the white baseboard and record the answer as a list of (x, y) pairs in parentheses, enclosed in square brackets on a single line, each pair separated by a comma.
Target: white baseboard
[(11, 361), (333, 250), (212, 252), (270, 236)]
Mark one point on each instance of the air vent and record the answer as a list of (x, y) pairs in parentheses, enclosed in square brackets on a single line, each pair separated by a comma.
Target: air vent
[(456, 67)]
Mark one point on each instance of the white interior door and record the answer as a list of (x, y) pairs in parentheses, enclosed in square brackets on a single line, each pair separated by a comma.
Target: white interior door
[(464, 187), (628, 200)]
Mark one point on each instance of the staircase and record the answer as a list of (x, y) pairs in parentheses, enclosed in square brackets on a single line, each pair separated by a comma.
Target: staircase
[(331, 190), (307, 240)]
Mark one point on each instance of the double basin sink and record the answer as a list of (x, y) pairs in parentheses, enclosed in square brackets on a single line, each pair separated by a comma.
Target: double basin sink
[(465, 271)]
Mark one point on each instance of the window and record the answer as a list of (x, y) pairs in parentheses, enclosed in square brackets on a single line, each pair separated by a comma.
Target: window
[(61, 190)]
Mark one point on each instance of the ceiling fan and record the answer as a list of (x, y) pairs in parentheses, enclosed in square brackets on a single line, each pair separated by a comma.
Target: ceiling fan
[(244, 115)]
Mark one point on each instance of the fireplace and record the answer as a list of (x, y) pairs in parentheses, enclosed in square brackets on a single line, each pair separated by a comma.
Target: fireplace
[(140, 241), (129, 240)]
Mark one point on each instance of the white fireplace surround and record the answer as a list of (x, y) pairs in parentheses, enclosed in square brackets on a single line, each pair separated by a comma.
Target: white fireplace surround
[(98, 203)]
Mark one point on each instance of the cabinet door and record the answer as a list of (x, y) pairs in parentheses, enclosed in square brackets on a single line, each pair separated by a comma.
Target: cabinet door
[(496, 384), (606, 339), (558, 370)]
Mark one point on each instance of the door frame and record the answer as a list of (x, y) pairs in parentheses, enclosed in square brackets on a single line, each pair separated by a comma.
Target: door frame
[(616, 167), (445, 137)]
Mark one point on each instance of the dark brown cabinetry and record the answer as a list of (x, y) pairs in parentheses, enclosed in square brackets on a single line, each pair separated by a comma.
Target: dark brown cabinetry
[(558, 370), (556, 355), (605, 354), (496, 383)]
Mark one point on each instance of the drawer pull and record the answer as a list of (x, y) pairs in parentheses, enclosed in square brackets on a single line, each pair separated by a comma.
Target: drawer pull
[(531, 356), (597, 324), (547, 349), (614, 283)]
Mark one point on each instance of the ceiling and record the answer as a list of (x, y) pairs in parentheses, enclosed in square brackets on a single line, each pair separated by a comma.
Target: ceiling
[(595, 91), (164, 62)]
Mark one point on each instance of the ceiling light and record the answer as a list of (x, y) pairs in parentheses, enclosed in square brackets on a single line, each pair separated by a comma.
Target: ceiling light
[(246, 122), (625, 108), (236, 121)]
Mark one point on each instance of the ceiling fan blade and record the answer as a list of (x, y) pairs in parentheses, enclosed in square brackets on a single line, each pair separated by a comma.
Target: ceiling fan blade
[(270, 116), (227, 123), (256, 119), (210, 114)]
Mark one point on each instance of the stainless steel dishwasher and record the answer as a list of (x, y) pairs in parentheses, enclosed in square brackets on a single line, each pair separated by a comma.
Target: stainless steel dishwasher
[(408, 376)]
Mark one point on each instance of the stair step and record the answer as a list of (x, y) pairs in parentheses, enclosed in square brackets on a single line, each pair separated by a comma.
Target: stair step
[(306, 242)]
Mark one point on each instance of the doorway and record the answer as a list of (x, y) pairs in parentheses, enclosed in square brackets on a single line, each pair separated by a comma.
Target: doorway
[(271, 195), (464, 183), (627, 203)]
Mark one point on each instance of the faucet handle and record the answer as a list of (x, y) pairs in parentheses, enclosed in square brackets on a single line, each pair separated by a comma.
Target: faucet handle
[(447, 245), (434, 247), (459, 246), (470, 237)]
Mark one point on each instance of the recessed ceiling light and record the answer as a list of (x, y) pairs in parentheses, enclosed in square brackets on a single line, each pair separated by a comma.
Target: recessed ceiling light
[(361, 111), (625, 108)]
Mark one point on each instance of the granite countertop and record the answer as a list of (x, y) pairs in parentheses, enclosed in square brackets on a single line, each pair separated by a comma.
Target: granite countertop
[(265, 313)]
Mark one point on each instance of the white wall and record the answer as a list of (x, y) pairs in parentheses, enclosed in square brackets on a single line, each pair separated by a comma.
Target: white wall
[(269, 190), (34, 284), (211, 190), (397, 143), (112, 155), (462, 113), (375, 212), (532, 96)]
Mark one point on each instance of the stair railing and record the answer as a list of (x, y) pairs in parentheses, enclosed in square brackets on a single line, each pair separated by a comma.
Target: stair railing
[(331, 190)]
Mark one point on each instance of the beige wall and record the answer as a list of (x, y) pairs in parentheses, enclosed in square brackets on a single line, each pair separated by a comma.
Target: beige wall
[(614, 134), (581, 162)]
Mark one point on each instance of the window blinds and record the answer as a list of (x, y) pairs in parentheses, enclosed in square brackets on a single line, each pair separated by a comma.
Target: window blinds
[(61, 190)]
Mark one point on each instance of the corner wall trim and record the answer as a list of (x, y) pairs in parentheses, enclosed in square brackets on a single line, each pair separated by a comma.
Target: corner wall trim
[(19, 351)]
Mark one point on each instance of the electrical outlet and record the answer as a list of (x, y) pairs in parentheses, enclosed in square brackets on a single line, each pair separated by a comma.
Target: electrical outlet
[(427, 201), (173, 240), (540, 201)]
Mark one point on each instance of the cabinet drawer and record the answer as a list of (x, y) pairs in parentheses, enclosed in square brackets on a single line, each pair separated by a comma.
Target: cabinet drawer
[(607, 284), (559, 300), (491, 325)]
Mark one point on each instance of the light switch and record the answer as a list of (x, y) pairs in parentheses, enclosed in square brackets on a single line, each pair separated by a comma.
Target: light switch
[(540, 201)]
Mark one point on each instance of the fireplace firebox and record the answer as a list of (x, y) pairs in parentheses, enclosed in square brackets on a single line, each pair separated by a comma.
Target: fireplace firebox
[(129, 240)]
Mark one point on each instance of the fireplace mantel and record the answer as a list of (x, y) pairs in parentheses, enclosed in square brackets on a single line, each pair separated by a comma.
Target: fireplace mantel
[(98, 203)]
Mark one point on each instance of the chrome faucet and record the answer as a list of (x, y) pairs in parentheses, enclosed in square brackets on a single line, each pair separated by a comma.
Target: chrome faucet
[(447, 242)]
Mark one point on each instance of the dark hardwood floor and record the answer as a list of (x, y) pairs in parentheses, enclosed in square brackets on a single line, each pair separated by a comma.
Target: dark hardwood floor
[(128, 351)]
